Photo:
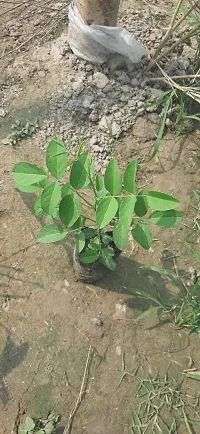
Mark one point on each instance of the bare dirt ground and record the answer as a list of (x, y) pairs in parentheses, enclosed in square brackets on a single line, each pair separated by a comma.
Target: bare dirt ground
[(48, 320)]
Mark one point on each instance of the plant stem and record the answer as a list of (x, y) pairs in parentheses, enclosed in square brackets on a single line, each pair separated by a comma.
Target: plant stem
[(85, 200), (170, 29), (182, 39), (173, 77)]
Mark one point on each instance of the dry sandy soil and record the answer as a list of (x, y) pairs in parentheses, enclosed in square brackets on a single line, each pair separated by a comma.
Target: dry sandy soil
[(48, 320)]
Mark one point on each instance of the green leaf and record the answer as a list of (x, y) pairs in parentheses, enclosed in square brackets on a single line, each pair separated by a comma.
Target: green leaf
[(141, 206), (99, 183), (108, 261), (147, 296), (66, 189), (44, 182), (142, 234), (165, 219), (90, 233), (94, 246), (130, 176), (164, 273), (147, 312), (27, 174), (49, 427), (80, 222), (126, 210), (89, 256), (70, 209), (29, 188), (54, 416), (79, 238), (82, 171), (56, 158), (120, 235), (107, 252), (50, 198), (29, 424), (106, 239), (161, 201), (81, 147), (194, 375), (22, 430), (165, 109), (112, 179), (51, 234), (119, 203), (195, 254), (37, 206), (106, 210)]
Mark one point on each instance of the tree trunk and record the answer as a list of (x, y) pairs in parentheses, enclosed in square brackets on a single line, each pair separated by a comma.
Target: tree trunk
[(99, 12)]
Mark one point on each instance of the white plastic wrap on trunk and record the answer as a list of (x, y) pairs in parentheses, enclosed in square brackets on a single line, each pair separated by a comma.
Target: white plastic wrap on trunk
[(95, 43)]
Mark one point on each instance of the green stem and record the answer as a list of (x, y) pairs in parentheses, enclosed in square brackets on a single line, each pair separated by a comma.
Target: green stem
[(99, 236), (81, 197), (85, 200)]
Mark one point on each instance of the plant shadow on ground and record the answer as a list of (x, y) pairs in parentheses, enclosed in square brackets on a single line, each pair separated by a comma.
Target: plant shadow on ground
[(10, 358), (129, 274), (59, 430)]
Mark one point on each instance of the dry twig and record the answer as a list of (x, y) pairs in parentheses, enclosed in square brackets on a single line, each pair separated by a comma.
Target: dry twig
[(190, 91), (68, 427), (170, 31), (183, 38)]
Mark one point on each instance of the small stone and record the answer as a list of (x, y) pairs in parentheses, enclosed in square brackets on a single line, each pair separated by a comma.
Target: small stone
[(125, 88), (120, 311), (97, 322), (124, 97), (108, 88), (168, 122), (151, 109), (97, 148), (57, 6), (155, 93), (103, 124), (89, 67), (66, 283), (94, 117), (6, 305), (131, 103), (41, 74), (5, 142), (123, 77), (2, 113), (135, 82), (152, 37), (115, 128), (118, 350), (152, 52), (78, 86), (88, 101), (93, 141), (98, 166), (100, 80), (140, 111)]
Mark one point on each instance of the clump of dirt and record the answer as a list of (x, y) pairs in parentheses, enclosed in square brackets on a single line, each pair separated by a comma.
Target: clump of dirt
[(79, 101)]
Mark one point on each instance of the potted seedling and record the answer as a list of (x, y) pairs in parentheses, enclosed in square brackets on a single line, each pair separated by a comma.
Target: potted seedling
[(100, 211)]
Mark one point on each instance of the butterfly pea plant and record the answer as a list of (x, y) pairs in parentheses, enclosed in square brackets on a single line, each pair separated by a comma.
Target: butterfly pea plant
[(100, 211)]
